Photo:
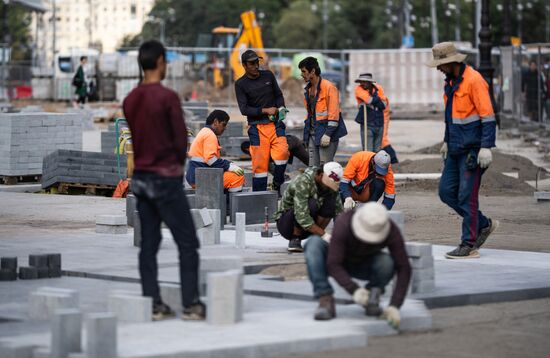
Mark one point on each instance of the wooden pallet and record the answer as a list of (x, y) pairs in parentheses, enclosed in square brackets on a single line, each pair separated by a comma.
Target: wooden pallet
[(82, 189), (14, 179)]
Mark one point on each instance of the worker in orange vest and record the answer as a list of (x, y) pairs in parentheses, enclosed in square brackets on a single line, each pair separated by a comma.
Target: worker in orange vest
[(366, 177), (369, 94), (470, 131), (205, 153), (324, 125)]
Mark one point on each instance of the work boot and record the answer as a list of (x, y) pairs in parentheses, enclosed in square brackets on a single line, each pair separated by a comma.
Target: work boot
[(162, 311), (373, 304), (326, 309), (463, 251), (485, 232), (294, 245), (195, 312)]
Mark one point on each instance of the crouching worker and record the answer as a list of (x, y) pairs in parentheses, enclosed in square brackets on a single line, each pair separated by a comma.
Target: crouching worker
[(367, 176), (355, 250), (205, 153), (310, 201)]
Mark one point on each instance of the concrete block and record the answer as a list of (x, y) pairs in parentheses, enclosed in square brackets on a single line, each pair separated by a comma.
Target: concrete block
[(101, 335), (111, 220), (225, 297), (418, 249), (201, 218), (8, 275), (38, 260), (66, 332), (171, 295), (542, 195), (131, 308), (210, 235), (131, 205), (54, 260), (9, 263), (111, 229), (28, 273), (424, 286), (253, 204), (399, 219), (218, 263), (43, 272), (240, 230), (422, 262), (54, 272), (137, 229), (16, 350), (425, 274), (209, 191), (41, 352), (46, 300)]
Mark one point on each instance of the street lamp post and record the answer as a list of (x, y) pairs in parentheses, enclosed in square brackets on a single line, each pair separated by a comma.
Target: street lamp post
[(485, 65)]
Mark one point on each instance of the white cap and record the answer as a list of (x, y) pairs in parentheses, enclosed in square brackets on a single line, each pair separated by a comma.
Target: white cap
[(382, 162), (332, 174), (371, 223)]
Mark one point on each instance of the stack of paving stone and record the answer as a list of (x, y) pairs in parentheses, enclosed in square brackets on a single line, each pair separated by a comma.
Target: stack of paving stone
[(26, 137), (40, 266), (109, 140), (422, 262), (78, 167)]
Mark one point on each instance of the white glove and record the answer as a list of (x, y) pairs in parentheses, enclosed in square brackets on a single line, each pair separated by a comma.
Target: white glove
[(392, 315), (444, 150), (325, 140), (326, 236), (484, 158), (361, 296), (236, 169), (349, 203)]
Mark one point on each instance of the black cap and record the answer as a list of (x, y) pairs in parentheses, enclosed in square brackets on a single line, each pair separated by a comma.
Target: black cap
[(249, 55)]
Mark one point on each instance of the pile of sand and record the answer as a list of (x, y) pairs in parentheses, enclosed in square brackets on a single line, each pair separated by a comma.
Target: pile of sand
[(493, 182), (293, 91)]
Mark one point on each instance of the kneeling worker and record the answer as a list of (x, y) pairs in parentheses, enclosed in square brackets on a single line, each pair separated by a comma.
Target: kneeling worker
[(205, 153), (310, 201), (367, 176), (355, 250)]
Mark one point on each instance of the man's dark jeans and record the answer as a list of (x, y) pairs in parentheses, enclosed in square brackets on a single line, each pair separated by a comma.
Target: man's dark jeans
[(162, 199), (378, 269)]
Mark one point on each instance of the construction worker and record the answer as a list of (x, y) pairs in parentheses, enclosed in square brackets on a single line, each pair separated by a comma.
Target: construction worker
[(159, 137), (324, 125), (355, 250), (370, 95), (260, 99), (309, 203), (367, 176), (470, 128), (205, 153)]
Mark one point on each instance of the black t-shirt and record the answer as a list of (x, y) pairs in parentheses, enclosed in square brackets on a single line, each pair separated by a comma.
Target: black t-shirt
[(255, 94)]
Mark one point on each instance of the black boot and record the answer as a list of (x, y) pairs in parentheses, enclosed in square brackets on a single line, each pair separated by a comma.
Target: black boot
[(373, 304)]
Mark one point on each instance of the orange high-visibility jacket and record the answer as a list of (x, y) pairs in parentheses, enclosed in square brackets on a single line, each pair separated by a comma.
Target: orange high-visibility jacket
[(469, 115), (205, 152), (360, 167)]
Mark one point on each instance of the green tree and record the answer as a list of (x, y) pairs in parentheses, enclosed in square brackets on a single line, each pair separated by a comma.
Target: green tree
[(298, 27), (18, 23)]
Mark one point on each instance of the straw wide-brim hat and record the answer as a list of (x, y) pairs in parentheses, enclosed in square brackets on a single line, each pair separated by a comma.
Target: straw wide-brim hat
[(371, 223), (365, 77), (445, 52)]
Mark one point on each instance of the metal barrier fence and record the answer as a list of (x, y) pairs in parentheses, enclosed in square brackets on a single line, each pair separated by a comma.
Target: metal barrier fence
[(15, 80)]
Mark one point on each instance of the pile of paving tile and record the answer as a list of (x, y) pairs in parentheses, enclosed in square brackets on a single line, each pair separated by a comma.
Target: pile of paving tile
[(78, 167), (40, 266), (422, 262), (25, 138)]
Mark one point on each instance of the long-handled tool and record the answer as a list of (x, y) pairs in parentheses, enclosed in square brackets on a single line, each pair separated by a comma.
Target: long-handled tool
[(364, 126)]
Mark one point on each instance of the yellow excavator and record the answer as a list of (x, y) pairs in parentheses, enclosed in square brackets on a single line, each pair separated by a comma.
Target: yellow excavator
[(248, 35)]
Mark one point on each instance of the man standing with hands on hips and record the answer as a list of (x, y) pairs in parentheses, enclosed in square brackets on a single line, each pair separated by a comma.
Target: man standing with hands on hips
[(470, 129)]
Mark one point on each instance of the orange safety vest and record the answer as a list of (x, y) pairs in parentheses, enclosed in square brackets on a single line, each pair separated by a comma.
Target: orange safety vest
[(360, 166)]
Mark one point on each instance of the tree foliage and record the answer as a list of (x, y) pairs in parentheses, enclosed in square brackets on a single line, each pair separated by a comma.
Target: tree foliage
[(18, 31)]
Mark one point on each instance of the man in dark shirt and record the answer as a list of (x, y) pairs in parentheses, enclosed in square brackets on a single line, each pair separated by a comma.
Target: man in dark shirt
[(159, 137), (260, 99), (355, 250)]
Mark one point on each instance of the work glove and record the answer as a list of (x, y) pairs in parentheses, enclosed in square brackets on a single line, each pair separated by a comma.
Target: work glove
[(325, 140), (349, 203), (326, 237), (484, 158), (388, 202), (282, 113), (444, 150), (236, 169), (361, 296), (392, 315)]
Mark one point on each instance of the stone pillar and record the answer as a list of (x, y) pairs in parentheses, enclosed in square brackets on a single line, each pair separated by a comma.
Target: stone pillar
[(66, 333)]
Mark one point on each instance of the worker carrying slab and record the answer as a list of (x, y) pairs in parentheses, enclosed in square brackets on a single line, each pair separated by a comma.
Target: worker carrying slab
[(309, 202), (367, 176), (355, 250), (470, 128), (324, 125), (261, 100), (205, 153)]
